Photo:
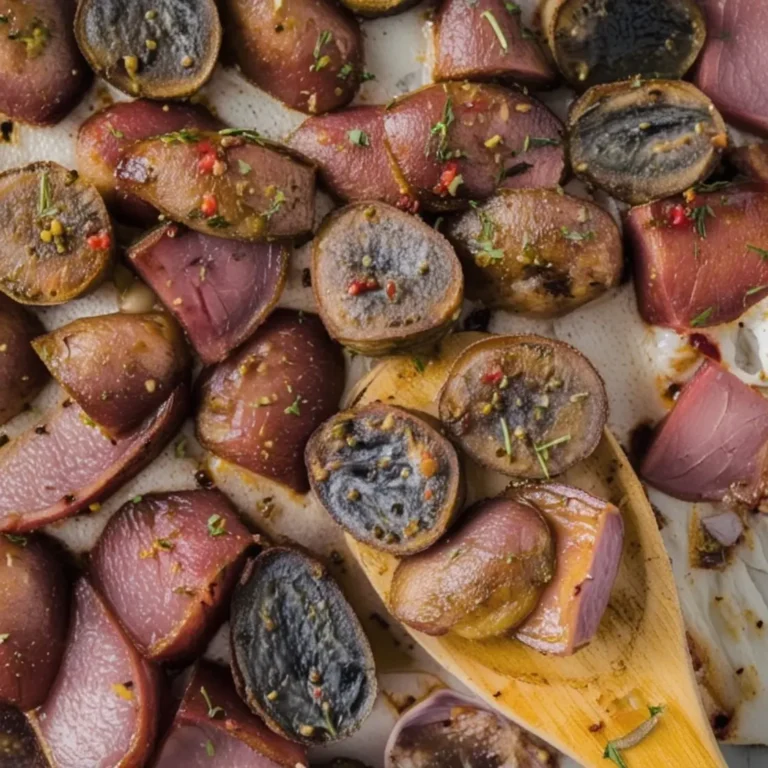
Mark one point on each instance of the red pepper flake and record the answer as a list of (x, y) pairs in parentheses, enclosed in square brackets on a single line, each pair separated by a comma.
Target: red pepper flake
[(449, 173), (428, 494), (210, 206), (317, 693), (391, 290), (206, 162), (677, 216), (100, 242), (408, 204), (492, 377), (356, 287)]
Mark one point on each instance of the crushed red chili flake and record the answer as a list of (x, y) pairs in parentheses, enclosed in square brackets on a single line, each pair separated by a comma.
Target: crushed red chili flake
[(210, 206), (428, 494), (450, 172), (492, 377), (99, 242), (356, 287), (677, 216), (206, 162), (391, 290)]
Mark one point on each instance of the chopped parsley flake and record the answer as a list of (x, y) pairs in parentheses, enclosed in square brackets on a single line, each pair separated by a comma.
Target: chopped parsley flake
[(699, 217), (542, 452), (702, 318), (440, 129), (217, 222), (277, 203), (507, 439), (293, 409), (358, 137), (184, 136), (243, 167), (321, 61), (254, 137), (217, 526)]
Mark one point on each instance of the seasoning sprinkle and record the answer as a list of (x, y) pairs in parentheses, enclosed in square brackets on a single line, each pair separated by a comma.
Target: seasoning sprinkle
[(293, 409), (213, 712), (507, 439), (702, 318), (217, 526), (321, 61), (542, 452), (358, 137), (440, 129), (491, 19), (209, 748)]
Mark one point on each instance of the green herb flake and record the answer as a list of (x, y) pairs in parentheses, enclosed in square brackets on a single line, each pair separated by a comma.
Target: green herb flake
[(117, 134), (418, 363), (507, 438), (277, 203), (655, 710), (253, 137), (217, 526), (213, 712), (321, 61), (45, 206), (513, 8), (761, 252), (365, 76), (714, 186), (542, 452), (613, 754), (293, 409), (218, 222), (440, 129), (209, 748), (244, 167), (698, 216), (613, 748), (702, 318), (180, 448), (345, 71), (358, 137), (137, 499), (491, 19), (20, 541), (576, 237), (756, 289), (184, 136)]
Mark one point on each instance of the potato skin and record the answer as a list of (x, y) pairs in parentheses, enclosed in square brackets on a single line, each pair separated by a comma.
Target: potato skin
[(22, 375), (374, 9), (259, 407), (34, 616), (104, 136), (42, 75), (483, 579), (307, 53), (537, 252)]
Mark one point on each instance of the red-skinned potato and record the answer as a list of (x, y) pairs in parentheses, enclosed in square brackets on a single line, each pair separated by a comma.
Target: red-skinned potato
[(19, 747), (307, 53), (42, 74), (22, 375), (703, 262), (259, 408), (350, 152), (57, 241), (537, 252), (118, 368), (455, 142), (487, 40), (212, 713), (66, 463), (589, 535), (34, 614), (160, 50), (231, 184), (219, 290), (103, 707), (167, 563), (483, 579), (105, 134)]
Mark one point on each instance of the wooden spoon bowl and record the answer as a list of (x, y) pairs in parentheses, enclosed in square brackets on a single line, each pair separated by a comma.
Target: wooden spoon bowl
[(639, 657)]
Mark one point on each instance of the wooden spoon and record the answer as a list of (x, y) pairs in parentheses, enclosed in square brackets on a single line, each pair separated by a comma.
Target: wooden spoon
[(639, 657)]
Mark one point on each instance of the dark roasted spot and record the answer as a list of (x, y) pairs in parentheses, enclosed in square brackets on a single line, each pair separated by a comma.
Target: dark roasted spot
[(478, 320)]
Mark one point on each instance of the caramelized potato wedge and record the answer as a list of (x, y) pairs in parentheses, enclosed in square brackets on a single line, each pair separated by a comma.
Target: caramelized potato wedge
[(525, 406), (66, 464), (118, 368), (640, 140), (22, 375), (456, 142), (162, 49), (259, 407), (42, 74), (34, 604), (231, 184), (56, 243), (486, 40), (167, 564), (219, 290), (104, 706), (293, 631), (105, 134), (594, 42), (537, 252), (483, 579), (307, 53), (589, 537), (384, 281), (350, 152), (211, 713), (387, 477)]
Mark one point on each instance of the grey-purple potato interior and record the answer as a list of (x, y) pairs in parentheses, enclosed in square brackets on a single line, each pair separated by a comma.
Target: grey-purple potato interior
[(526, 406), (105, 134), (588, 537), (186, 33), (259, 407), (118, 368), (468, 47), (537, 252), (594, 43), (34, 605), (168, 572), (351, 170), (292, 631), (386, 476), (642, 140), (66, 463), (708, 271), (19, 747), (262, 193), (724, 454), (527, 153), (43, 77), (481, 580), (22, 375), (36, 272), (219, 290), (103, 707), (419, 284), (307, 53)]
